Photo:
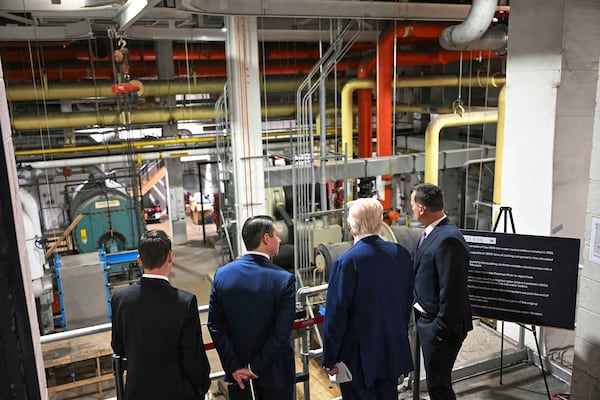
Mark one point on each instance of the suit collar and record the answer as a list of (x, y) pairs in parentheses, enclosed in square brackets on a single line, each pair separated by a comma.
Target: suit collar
[(430, 238), (145, 280)]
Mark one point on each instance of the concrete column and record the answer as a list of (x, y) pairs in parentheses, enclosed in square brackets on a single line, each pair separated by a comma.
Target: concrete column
[(166, 70), (585, 383), (241, 47), (532, 78), (552, 75)]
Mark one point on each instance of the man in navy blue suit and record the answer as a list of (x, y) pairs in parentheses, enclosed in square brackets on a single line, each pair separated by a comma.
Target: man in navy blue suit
[(442, 307), (251, 313), (157, 328), (369, 301)]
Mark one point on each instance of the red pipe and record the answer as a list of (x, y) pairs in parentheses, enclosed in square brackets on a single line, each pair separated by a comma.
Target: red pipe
[(54, 72), (384, 76), (365, 112), (22, 55)]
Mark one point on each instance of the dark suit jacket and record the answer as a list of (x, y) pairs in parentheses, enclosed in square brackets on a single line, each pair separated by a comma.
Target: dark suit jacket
[(157, 328), (251, 313), (369, 301), (441, 265)]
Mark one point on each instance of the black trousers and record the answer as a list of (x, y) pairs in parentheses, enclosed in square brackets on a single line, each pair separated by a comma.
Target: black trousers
[(438, 358), (260, 392), (382, 389)]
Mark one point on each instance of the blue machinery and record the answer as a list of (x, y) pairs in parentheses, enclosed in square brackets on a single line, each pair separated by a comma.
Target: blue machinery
[(84, 283)]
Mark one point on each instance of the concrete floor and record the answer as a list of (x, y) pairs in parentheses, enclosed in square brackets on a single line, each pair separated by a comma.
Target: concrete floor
[(194, 265)]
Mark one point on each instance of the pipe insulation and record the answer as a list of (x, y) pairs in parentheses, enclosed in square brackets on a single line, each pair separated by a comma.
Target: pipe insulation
[(478, 20)]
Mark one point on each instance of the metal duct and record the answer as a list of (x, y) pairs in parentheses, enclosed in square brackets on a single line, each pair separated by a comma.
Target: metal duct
[(473, 28)]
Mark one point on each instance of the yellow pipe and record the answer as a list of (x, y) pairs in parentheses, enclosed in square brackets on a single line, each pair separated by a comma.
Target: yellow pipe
[(125, 145), (497, 196), (347, 115), (113, 118), (140, 144), (66, 91), (432, 136), (449, 81)]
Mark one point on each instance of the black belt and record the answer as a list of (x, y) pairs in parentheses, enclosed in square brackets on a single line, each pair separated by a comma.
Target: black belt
[(424, 315)]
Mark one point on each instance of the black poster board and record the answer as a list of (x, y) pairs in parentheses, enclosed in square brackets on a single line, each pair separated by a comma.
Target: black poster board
[(523, 278)]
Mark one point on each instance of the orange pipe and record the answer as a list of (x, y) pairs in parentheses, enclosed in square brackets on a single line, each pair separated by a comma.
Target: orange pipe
[(365, 109), (67, 54), (384, 76), (148, 70), (365, 98)]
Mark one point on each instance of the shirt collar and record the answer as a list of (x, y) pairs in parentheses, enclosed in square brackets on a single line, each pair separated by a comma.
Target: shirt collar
[(360, 237), (154, 276), (432, 225), (258, 253)]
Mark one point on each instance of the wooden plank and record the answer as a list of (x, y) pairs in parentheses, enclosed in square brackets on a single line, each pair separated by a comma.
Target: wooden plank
[(153, 180), (83, 382), (69, 351), (64, 235), (319, 385)]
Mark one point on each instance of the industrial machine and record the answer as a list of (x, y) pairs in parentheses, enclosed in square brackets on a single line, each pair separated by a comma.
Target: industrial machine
[(111, 219)]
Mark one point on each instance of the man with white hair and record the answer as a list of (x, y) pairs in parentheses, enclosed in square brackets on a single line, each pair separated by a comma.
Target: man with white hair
[(369, 301)]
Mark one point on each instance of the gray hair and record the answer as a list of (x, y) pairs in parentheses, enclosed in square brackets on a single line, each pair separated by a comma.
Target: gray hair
[(365, 216)]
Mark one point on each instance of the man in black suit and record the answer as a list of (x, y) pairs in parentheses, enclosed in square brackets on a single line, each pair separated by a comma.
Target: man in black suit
[(157, 328), (442, 307), (251, 313)]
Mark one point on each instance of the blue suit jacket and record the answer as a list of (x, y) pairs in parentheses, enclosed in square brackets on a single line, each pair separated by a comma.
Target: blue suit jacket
[(441, 265), (156, 326), (369, 301), (251, 312)]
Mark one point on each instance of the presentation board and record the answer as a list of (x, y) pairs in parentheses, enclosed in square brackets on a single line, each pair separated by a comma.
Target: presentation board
[(523, 278)]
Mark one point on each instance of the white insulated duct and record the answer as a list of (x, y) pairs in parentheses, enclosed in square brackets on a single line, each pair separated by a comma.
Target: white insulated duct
[(33, 230), (473, 28)]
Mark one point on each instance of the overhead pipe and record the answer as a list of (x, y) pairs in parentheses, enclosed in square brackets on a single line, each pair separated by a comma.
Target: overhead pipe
[(473, 33), (495, 39), (139, 117), (148, 70), (365, 105), (65, 52), (347, 115), (385, 48), (139, 157), (432, 136), (385, 61), (365, 98), (137, 144), (472, 28), (149, 88)]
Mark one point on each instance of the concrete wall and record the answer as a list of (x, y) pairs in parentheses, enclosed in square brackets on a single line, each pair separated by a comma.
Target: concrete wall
[(586, 374)]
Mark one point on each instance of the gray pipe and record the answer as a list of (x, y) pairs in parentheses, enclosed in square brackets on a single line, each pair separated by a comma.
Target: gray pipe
[(478, 20)]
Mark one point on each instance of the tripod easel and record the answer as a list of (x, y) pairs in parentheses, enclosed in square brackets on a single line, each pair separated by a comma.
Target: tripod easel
[(506, 212)]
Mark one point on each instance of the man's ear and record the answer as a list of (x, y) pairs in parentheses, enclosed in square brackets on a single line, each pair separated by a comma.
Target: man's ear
[(139, 260)]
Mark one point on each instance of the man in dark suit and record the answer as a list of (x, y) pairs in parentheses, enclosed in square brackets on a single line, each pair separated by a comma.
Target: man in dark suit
[(442, 307), (369, 301), (157, 328), (251, 313)]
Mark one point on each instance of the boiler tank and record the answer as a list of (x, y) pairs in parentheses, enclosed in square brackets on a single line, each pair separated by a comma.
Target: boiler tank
[(110, 219)]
